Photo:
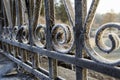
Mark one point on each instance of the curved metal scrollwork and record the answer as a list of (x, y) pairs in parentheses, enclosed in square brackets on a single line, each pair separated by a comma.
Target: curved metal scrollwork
[(15, 30), (62, 38), (62, 34), (25, 41), (97, 56), (112, 36), (23, 31), (39, 36)]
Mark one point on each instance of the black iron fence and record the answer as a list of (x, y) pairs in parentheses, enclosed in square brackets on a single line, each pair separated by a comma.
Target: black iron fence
[(24, 41)]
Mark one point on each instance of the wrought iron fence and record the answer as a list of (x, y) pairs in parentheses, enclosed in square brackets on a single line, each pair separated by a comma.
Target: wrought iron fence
[(23, 40)]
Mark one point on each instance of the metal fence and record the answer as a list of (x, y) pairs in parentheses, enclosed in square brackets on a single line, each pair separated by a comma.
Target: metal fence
[(23, 40)]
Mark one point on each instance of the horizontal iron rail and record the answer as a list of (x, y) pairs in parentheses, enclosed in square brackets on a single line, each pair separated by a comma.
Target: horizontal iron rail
[(44, 74), (80, 62), (52, 54), (26, 67)]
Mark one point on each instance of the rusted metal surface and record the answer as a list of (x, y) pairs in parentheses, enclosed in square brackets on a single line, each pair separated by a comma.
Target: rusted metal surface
[(23, 40)]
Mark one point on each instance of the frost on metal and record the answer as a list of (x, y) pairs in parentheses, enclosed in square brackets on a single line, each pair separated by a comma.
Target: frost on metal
[(24, 41)]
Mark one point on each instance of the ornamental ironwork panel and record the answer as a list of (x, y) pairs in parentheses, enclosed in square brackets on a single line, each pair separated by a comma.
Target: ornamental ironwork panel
[(23, 39)]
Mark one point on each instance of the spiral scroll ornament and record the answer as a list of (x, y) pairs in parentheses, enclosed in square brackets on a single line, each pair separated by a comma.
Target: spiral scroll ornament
[(110, 59), (114, 38), (15, 30), (39, 36), (23, 32), (62, 38)]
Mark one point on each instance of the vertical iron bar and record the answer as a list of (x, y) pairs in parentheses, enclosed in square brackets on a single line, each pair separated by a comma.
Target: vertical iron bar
[(25, 12), (0, 28), (12, 4), (49, 12), (18, 13), (19, 23), (79, 36), (1, 22), (5, 23), (30, 16), (8, 12), (36, 10), (14, 13), (33, 18), (85, 71), (1, 17), (35, 15), (5, 17), (28, 4), (29, 11), (9, 16), (32, 7), (21, 4), (53, 62)]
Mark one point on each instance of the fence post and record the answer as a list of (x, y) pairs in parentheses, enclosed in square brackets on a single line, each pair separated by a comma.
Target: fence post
[(80, 13)]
